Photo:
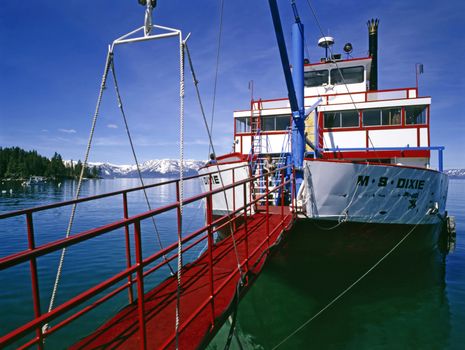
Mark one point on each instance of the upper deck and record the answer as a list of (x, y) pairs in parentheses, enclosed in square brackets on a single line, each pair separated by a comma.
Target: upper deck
[(353, 119), (365, 119)]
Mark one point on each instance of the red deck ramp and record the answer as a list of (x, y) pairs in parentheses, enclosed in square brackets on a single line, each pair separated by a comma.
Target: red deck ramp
[(209, 284), (200, 312)]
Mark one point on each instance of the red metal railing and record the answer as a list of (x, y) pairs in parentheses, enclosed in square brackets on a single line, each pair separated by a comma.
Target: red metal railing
[(133, 274)]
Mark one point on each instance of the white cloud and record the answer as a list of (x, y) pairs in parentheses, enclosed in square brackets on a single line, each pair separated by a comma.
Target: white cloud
[(112, 126), (67, 131)]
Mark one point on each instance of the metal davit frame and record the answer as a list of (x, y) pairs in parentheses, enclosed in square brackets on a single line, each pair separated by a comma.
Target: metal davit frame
[(256, 233)]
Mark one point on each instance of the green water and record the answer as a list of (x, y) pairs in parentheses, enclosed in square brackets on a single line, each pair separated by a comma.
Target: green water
[(410, 301)]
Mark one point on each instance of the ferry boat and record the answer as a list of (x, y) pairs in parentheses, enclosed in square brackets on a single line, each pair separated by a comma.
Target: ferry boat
[(361, 154)]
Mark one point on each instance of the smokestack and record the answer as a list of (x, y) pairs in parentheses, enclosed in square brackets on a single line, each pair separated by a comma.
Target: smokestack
[(373, 52)]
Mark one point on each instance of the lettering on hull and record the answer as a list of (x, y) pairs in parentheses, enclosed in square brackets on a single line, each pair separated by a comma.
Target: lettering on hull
[(383, 181), (215, 180)]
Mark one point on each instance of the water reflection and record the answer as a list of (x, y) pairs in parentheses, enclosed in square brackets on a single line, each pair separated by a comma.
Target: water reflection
[(401, 304), (90, 262)]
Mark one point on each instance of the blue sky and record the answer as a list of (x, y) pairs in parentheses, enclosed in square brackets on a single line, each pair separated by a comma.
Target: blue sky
[(52, 56)]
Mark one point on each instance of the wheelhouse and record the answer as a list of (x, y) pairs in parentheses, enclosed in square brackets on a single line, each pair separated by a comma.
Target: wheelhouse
[(353, 122)]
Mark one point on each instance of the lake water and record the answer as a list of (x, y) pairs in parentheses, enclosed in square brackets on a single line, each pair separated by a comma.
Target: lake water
[(409, 303)]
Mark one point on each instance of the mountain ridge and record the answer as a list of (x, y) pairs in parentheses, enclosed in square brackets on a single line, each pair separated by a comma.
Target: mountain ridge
[(455, 173), (150, 168)]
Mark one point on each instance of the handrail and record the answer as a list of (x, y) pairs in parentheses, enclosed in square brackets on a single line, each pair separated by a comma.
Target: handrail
[(440, 150), (33, 253), (98, 196), (407, 89), (83, 236)]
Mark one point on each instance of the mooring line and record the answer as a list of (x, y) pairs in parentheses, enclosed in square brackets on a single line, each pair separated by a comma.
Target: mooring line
[(298, 329)]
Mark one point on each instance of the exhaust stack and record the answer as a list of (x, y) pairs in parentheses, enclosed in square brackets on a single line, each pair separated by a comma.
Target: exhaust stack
[(373, 52)]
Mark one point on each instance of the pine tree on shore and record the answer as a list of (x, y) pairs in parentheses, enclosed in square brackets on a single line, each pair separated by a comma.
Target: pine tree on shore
[(16, 163)]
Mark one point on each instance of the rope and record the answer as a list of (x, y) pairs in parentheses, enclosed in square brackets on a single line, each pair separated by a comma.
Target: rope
[(108, 62), (298, 329), (196, 84), (139, 172), (181, 183), (233, 320), (220, 31), (342, 76), (344, 215)]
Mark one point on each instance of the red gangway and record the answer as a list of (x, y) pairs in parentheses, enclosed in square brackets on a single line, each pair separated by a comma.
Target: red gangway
[(209, 284)]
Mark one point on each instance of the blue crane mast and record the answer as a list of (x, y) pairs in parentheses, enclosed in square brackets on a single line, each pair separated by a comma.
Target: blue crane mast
[(294, 83)]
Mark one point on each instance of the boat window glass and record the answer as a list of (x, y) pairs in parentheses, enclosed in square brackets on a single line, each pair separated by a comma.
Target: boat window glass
[(371, 117), (349, 119), (332, 120), (275, 122), (389, 116), (283, 122), (267, 123), (341, 119), (242, 124), (415, 115), (349, 75), (316, 77)]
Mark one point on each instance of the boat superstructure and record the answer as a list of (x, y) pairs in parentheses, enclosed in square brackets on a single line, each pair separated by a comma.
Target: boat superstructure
[(368, 151)]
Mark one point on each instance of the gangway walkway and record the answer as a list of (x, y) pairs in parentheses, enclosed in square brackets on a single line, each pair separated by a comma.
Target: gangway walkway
[(204, 311), (209, 283)]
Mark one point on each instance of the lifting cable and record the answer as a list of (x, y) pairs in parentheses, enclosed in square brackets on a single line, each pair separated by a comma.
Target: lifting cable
[(196, 84), (139, 173), (235, 302), (220, 32), (344, 215), (181, 181), (108, 63), (340, 73), (340, 295)]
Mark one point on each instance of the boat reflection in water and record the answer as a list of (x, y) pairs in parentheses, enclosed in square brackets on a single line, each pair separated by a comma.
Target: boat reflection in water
[(401, 304)]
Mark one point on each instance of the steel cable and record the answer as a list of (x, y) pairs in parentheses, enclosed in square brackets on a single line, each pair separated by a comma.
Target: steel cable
[(196, 83), (340, 295), (149, 206), (340, 73), (181, 183), (220, 32), (108, 63)]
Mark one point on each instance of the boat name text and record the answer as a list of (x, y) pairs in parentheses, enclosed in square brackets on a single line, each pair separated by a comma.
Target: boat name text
[(215, 180), (383, 181)]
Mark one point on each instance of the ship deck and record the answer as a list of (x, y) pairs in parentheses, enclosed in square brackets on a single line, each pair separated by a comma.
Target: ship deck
[(253, 239)]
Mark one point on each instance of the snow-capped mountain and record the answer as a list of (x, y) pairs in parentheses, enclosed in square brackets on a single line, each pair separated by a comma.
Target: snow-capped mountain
[(456, 173), (150, 168)]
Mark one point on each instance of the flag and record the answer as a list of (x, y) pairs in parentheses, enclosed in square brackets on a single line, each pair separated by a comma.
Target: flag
[(419, 68)]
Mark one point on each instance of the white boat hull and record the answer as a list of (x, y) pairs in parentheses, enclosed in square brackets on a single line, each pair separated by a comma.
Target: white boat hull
[(373, 193), (217, 176)]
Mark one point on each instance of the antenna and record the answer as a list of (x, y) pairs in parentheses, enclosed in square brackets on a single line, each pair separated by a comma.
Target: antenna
[(326, 42)]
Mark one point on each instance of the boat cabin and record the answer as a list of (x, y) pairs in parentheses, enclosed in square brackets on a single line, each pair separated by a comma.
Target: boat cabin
[(354, 121)]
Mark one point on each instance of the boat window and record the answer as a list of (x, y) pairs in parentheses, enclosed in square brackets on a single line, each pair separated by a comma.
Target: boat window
[(388, 116), (350, 75), (283, 122), (340, 119), (415, 115), (275, 122), (316, 77), (267, 124), (242, 124)]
